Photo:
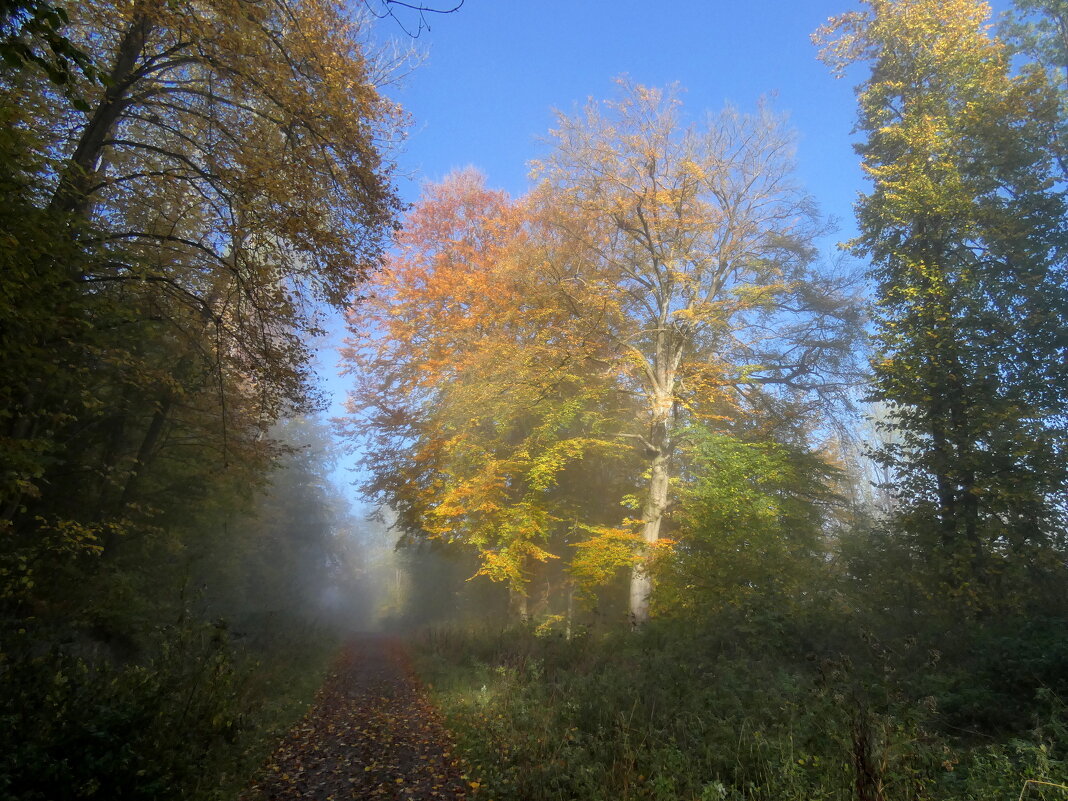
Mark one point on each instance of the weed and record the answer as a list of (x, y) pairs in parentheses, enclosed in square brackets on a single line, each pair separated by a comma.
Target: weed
[(678, 712)]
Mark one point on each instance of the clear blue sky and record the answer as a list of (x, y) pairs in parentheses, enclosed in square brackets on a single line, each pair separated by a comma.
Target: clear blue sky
[(496, 70)]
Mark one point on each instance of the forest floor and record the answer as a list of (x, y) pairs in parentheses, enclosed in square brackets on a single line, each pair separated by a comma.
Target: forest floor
[(371, 733)]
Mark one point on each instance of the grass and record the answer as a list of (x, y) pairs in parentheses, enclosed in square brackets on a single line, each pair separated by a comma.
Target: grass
[(686, 712)]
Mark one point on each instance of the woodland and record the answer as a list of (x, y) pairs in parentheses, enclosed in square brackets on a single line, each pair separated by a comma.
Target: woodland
[(672, 502)]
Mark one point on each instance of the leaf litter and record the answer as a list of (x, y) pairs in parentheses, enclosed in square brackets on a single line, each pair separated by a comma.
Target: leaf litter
[(371, 733)]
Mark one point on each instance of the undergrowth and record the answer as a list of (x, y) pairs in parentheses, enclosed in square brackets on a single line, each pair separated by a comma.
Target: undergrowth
[(193, 717), (749, 709)]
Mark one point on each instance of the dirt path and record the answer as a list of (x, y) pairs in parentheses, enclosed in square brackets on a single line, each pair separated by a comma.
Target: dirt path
[(370, 734)]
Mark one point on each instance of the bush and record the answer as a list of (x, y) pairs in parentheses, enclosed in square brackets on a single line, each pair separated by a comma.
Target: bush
[(191, 722), (694, 711)]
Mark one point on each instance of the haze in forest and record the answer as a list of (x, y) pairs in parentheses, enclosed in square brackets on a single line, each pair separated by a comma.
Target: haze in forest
[(580, 401)]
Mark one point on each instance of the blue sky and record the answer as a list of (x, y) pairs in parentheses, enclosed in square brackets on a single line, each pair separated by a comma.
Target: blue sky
[(497, 69)]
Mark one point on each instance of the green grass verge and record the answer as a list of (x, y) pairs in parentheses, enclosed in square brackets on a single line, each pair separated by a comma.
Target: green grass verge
[(685, 712)]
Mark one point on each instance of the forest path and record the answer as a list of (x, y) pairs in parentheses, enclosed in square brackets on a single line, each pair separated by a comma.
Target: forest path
[(371, 733)]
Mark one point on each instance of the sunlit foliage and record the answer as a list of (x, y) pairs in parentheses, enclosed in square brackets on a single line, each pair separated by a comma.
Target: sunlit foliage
[(964, 226), (473, 399), (658, 274)]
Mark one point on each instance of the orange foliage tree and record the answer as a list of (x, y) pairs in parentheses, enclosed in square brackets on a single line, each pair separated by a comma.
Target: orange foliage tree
[(473, 396)]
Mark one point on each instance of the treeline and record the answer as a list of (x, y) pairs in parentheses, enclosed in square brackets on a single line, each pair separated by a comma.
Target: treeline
[(834, 510), (186, 189), (644, 367)]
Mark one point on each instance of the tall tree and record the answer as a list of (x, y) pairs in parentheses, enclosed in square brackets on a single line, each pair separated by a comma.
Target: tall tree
[(687, 252), (1037, 30), (472, 399), (227, 177), (233, 163), (659, 273), (184, 221), (965, 230)]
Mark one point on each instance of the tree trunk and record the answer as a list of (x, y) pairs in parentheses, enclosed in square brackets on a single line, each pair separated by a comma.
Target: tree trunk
[(569, 615), (146, 451), (641, 581), (72, 192), (517, 604)]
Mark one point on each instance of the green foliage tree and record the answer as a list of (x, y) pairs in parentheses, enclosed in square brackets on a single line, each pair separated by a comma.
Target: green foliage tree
[(31, 32), (752, 524), (965, 230), (1035, 31)]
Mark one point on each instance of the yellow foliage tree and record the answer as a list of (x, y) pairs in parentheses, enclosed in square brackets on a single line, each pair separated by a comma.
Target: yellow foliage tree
[(686, 253)]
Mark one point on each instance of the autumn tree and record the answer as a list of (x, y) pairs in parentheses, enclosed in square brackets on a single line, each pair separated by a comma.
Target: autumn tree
[(183, 186), (227, 177), (175, 230), (472, 400), (686, 252), (964, 229), (233, 164), (658, 274)]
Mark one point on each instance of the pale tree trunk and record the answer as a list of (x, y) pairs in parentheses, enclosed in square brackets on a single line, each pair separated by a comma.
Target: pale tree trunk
[(570, 613), (641, 581)]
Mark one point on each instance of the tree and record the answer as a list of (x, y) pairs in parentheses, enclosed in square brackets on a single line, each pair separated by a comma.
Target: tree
[(965, 231), (471, 399), (31, 32), (657, 274), (172, 232), (233, 164), (1038, 31), (751, 524), (226, 178), (687, 254)]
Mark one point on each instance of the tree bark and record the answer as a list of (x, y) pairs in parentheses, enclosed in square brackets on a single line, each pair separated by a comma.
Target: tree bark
[(72, 192), (641, 580), (517, 604), (146, 451)]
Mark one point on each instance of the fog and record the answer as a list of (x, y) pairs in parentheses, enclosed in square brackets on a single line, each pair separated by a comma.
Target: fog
[(306, 554)]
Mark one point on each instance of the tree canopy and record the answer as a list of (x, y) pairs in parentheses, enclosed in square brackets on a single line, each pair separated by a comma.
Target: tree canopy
[(658, 274), (964, 226)]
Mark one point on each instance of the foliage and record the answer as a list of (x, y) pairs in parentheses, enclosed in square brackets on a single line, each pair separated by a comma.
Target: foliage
[(743, 706), (166, 248), (31, 32), (964, 227), (1034, 31), (513, 349), (751, 525), (192, 721), (686, 253), (473, 404), (184, 186)]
